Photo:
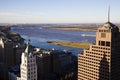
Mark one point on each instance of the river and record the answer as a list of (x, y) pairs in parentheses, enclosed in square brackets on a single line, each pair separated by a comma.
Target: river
[(39, 37)]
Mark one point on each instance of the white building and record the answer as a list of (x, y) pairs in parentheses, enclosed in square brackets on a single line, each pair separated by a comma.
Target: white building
[(28, 65)]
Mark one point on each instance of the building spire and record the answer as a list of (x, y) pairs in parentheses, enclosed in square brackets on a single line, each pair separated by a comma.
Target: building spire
[(109, 13), (1, 40), (27, 47)]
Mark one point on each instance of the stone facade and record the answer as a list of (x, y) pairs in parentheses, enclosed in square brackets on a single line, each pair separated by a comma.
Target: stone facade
[(101, 60), (28, 65)]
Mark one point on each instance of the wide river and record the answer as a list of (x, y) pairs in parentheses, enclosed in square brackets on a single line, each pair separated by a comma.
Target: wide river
[(39, 37)]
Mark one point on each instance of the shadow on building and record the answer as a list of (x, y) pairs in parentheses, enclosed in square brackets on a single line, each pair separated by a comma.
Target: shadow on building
[(104, 73), (3, 71)]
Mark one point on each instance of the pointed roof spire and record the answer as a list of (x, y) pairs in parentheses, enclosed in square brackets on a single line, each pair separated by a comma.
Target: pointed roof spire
[(109, 13), (27, 50), (1, 40)]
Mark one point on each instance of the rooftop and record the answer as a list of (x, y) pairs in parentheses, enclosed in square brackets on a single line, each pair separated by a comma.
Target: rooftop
[(15, 70)]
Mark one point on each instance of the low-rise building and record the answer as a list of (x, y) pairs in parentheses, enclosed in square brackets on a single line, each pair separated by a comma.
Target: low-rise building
[(55, 64), (14, 73)]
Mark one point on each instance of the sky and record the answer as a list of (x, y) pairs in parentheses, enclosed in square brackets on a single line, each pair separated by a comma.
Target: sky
[(59, 11)]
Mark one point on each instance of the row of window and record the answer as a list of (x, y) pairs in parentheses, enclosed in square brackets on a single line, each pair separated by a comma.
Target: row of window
[(101, 72), (30, 61), (24, 69), (104, 30), (92, 63), (100, 54), (101, 48), (91, 60), (31, 68), (100, 51), (86, 71), (100, 57), (87, 75), (104, 43), (90, 67), (31, 65), (31, 73), (32, 77), (94, 56)]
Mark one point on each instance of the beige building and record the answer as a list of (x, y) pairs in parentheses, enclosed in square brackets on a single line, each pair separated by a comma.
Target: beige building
[(102, 60)]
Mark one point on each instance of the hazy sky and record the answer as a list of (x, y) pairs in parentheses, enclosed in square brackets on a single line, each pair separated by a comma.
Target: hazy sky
[(58, 11)]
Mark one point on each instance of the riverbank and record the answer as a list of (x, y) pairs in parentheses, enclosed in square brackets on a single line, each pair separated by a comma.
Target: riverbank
[(7, 33), (83, 45), (91, 29)]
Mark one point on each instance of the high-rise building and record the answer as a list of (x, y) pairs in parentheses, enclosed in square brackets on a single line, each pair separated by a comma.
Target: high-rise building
[(28, 65), (44, 65), (102, 60)]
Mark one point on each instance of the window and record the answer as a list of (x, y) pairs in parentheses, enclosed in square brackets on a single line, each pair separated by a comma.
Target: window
[(103, 35), (102, 43), (107, 43), (99, 42), (100, 31)]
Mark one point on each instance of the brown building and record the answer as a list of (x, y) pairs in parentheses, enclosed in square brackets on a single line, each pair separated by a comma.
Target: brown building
[(102, 60), (61, 60), (55, 65), (43, 64)]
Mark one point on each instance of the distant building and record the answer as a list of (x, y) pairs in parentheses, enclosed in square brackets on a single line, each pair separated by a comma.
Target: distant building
[(18, 49), (102, 60), (28, 67), (14, 73), (60, 60), (6, 51), (55, 65), (44, 65)]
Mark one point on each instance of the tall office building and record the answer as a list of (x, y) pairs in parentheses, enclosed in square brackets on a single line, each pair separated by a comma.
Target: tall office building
[(28, 65), (102, 60)]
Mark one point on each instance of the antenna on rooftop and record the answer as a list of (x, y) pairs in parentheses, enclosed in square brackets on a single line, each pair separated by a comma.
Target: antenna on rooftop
[(28, 40), (109, 13)]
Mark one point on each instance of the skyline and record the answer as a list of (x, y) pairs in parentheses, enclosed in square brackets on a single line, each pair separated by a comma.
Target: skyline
[(62, 11)]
